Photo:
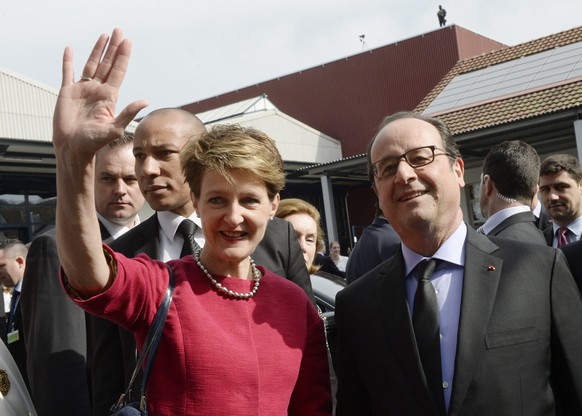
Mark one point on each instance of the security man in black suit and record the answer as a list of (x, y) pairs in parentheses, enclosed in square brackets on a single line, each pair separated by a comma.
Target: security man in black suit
[(57, 335), (12, 266), (509, 182)]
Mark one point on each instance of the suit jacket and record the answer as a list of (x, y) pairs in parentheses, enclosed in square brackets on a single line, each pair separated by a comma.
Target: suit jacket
[(327, 265), (549, 235), (518, 333), (17, 348), (378, 242), (573, 252), (114, 348), (544, 220), (55, 334), (520, 226), (3, 317)]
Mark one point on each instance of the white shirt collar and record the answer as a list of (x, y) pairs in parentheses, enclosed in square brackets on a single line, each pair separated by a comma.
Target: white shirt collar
[(116, 230), (169, 223), (500, 216), (451, 251)]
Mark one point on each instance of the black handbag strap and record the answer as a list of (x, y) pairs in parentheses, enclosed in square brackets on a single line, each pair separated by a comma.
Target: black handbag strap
[(150, 347)]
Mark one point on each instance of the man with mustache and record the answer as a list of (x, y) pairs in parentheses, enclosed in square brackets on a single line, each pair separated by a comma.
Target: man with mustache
[(561, 191)]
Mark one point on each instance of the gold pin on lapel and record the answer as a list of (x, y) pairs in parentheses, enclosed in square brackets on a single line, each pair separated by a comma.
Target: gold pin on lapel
[(4, 382)]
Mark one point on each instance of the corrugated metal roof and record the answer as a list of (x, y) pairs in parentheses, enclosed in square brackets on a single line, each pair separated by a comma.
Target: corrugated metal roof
[(232, 110), (26, 108), (26, 115), (296, 141)]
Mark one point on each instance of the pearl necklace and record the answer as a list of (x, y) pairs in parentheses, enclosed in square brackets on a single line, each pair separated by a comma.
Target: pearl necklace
[(226, 291)]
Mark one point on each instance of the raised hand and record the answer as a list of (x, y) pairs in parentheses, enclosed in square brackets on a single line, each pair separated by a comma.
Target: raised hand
[(84, 121), (84, 118)]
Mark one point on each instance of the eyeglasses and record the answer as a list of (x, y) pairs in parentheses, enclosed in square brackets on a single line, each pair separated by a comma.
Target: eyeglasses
[(416, 158)]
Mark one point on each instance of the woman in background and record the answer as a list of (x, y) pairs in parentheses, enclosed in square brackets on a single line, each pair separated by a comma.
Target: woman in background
[(339, 260), (305, 219)]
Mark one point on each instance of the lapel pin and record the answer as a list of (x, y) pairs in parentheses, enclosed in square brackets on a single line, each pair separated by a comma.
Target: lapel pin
[(491, 268)]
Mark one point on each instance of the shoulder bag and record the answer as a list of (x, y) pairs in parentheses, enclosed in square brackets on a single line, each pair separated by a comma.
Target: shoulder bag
[(148, 354)]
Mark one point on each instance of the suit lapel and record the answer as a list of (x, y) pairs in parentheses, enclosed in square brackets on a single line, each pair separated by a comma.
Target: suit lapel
[(104, 233), (549, 234), (149, 238), (480, 283), (391, 297)]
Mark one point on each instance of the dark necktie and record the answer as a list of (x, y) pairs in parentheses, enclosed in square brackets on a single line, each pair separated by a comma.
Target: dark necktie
[(13, 304), (562, 236), (187, 229), (425, 320)]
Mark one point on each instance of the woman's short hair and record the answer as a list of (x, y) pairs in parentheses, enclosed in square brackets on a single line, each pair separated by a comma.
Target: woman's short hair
[(229, 147)]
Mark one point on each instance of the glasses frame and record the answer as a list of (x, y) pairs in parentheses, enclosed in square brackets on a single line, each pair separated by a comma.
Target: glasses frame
[(404, 156)]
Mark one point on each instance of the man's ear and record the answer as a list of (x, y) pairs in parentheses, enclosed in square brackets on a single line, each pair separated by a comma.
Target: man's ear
[(488, 184), (21, 261)]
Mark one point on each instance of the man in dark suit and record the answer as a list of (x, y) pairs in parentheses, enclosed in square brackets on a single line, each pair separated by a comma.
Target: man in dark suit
[(509, 182), (12, 266), (573, 252), (492, 328), (159, 138), (377, 243), (56, 329), (561, 191), (327, 265), (3, 317)]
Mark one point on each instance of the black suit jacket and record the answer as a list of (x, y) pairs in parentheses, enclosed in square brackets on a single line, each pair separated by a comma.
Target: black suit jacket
[(573, 252), (17, 348), (114, 348), (519, 332), (544, 220), (55, 335), (549, 235), (327, 265), (3, 317), (377, 243), (520, 226)]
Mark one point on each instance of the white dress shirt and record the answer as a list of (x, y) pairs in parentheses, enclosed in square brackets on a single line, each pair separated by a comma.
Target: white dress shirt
[(171, 242)]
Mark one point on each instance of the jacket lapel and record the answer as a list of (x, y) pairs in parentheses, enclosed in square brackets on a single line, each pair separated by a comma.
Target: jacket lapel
[(150, 238), (480, 283), (391, 297), (549, 234)]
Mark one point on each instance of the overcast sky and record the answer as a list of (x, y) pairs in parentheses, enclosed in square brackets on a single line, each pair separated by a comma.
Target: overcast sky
[(188, 50)]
